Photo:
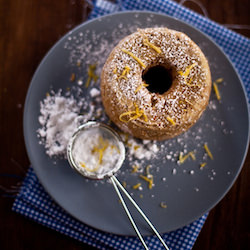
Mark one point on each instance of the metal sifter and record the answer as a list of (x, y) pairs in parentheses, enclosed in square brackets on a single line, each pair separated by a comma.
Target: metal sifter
[(96, 151)]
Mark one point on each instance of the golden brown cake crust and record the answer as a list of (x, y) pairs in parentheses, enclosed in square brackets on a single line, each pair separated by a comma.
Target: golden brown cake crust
[(141, 113)]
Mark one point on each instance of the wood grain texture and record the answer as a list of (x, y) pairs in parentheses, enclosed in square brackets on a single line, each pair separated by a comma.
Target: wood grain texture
[(28, 29)]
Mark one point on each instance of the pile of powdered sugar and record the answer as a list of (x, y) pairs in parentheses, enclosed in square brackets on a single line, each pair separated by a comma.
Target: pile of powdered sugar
[(58, 119)]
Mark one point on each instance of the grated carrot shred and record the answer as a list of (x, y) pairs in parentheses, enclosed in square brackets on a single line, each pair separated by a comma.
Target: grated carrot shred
[(134, 57)]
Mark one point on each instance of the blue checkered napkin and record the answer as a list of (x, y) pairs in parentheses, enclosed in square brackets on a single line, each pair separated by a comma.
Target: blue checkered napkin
[(34, 203), (237, 47)]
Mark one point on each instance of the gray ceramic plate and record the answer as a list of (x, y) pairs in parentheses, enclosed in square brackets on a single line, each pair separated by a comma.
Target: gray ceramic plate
[(190, 192)]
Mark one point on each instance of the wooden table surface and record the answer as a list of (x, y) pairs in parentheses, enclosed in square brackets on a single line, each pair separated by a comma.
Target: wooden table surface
[(28, 29)]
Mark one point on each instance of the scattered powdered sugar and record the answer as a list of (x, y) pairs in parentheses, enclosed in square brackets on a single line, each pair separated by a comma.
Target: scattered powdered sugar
[(140, 150), (94, 92)]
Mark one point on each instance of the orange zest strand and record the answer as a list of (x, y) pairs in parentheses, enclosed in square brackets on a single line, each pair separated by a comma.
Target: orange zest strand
[(124, 73), (187, 101), (186, 74), (189, 82), (192, 85), (216, 90), (140, 86), (183, 158), (102, 146), (157, 49), (203, 164), (192, 155), (78, 63), (149, 180), (91, 75), (135, 169), (163, 204), (72, 77), (208, 151), (219, 80), (171, 120), (132, 115), (137, 186), (134, 57), (147, 171), (88, 169), (116, 148)]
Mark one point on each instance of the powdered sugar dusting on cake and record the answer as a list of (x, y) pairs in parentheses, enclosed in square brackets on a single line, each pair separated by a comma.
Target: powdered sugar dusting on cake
[(184, 103)]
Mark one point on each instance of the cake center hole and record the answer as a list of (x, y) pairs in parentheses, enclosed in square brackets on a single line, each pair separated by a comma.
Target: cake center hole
[(158, 78)]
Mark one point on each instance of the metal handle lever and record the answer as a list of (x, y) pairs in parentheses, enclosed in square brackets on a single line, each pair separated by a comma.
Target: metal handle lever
[(117, 184)]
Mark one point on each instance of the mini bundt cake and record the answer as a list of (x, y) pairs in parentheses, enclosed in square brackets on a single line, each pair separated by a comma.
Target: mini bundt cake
[(155, 83)]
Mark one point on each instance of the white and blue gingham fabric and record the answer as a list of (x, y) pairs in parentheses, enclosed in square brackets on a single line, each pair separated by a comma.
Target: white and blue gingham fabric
[(34, 203)]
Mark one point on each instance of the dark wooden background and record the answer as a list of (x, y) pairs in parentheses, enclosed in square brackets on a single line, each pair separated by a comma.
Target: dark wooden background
[(28, 29)]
